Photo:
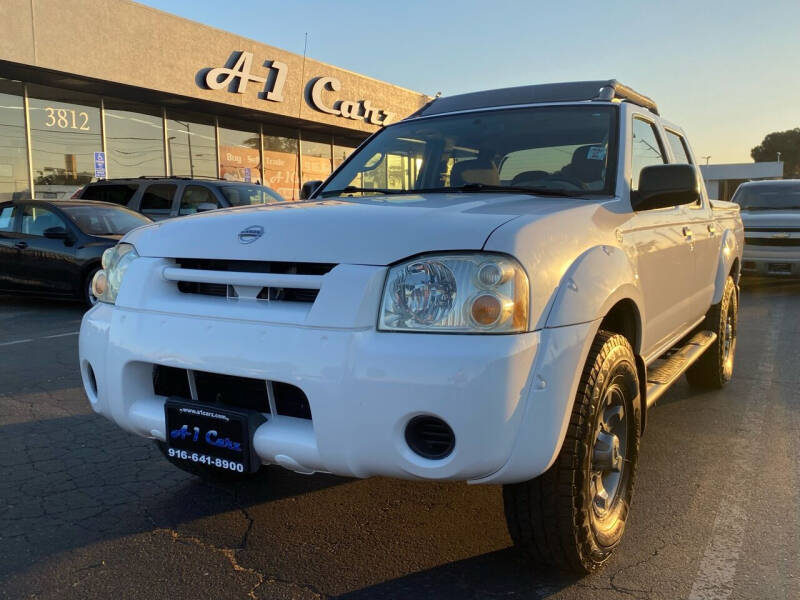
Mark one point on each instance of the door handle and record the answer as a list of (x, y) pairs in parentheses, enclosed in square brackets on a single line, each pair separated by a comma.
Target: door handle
[(712, 230), (21, 245), (687, 232)]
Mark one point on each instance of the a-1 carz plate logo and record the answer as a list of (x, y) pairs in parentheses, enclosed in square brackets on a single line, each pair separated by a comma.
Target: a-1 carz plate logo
[(251, 234)]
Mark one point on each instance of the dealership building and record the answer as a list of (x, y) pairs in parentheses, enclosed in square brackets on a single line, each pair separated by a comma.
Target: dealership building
[(111, 88)]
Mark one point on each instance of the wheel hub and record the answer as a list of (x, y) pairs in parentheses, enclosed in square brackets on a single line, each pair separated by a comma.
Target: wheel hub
[(606, 455), (608, 451)]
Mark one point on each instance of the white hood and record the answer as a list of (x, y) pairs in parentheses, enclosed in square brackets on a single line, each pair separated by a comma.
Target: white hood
[(378, 230)]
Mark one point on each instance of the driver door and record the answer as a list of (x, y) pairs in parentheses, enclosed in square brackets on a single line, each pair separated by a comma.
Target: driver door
[(47, 265)]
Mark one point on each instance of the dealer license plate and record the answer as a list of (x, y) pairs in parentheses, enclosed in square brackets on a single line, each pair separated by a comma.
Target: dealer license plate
[(779, 268), (215, 437)]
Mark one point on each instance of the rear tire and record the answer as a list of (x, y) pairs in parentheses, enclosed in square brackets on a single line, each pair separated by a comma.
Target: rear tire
[(204, 472), (715, 367), (562, 517)]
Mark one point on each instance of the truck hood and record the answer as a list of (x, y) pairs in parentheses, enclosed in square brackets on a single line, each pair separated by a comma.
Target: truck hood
[(773, 220), (378, 230)]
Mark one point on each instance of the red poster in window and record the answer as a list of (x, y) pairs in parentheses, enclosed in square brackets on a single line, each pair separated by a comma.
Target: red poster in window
[(280, 173), (235, 163)]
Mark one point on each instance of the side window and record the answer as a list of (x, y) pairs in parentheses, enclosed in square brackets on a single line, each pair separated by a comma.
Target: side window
[(36, 220), (645, 150), (194, 196), (117, 194), (6, 219), (678, 146), (157, 199)]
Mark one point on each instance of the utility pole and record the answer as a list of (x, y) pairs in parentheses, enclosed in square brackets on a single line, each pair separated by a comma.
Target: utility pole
[(780, 170), (707, 158)]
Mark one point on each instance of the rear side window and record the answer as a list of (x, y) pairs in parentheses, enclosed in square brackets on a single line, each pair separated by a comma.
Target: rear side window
[(194, 196), (7, 218), (157, 199), (116, 194), (678, 146), (646, 150)]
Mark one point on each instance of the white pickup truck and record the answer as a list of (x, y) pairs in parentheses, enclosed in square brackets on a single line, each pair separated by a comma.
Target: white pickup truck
[(495, 289)]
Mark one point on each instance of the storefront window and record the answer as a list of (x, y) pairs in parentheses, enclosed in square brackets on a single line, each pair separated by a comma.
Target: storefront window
[(239, 155), (342, 148), (316, 156), (134, 139), (65, 134), (281, 162), (192, 146), (13, 150)]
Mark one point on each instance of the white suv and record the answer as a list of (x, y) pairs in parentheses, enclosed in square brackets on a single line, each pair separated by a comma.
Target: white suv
[(493, 290)]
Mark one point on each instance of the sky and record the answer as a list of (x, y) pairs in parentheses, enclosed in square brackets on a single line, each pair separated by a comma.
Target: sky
[(728, 72)]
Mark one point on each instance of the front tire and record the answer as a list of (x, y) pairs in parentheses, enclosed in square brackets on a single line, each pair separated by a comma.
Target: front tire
[(715, 367), (573, 515), (88, 297)]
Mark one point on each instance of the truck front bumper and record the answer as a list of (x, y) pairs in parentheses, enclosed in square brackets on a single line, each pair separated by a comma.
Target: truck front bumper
[(507, 398)]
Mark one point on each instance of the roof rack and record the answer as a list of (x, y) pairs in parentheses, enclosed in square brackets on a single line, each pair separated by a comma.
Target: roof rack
[(574, 91)]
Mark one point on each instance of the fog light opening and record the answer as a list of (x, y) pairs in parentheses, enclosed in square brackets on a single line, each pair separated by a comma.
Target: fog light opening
[(430, 437), (90, 381)]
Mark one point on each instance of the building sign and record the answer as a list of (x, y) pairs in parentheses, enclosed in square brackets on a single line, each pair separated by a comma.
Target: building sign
[(349, 109), (221, 77), (272, 80)]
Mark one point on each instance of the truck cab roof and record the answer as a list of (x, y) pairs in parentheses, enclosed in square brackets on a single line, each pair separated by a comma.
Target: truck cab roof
[(609, 90)]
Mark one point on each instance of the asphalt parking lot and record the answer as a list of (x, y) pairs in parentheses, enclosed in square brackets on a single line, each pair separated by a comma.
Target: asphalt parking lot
[(89, 511)]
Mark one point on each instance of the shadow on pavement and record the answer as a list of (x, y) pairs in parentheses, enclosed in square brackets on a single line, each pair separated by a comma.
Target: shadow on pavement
[(69, 482), (503, 573)]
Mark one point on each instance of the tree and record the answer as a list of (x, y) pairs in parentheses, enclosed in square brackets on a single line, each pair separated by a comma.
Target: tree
[(785, 142)]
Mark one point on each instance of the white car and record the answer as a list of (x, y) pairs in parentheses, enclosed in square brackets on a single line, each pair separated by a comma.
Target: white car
[(493, 290)]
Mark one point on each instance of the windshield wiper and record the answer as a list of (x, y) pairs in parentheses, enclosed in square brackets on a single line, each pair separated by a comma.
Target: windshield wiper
[(352, 189), (484, 187), (770, 207), (467, 188)]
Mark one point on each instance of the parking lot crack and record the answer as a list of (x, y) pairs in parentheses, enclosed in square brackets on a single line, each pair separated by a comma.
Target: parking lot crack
[(228, 553), (629, 591)]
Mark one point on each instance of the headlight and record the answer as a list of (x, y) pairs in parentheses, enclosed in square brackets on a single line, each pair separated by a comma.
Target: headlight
[(106, 282), (463, 293)]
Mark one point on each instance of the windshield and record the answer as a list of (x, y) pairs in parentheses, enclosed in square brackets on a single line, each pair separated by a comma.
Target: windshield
[(244, 195), (105, 220), (766, 196), (568, 150)]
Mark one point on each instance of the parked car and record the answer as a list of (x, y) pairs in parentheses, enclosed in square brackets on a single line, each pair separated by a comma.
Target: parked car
[(54, 248), (494, 290), (164, 197), (771, 215)]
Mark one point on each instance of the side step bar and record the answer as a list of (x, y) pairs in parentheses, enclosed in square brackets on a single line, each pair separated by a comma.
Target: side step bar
[(663, 372)]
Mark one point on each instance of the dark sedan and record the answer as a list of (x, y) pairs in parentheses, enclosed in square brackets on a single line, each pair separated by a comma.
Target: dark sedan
[(54, 248)]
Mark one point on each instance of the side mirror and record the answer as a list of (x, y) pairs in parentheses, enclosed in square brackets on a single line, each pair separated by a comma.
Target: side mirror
[(662, 186), (308, 189), (56, 233), (206, 206)]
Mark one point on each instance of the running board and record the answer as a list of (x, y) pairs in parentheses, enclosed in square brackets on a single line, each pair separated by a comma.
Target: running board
[(663, 372)]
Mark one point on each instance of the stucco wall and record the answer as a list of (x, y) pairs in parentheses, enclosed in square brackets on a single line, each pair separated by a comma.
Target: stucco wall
[(124, 42)]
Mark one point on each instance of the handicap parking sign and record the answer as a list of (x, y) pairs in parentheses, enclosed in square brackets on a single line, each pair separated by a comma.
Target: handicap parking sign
[(100, 164)]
